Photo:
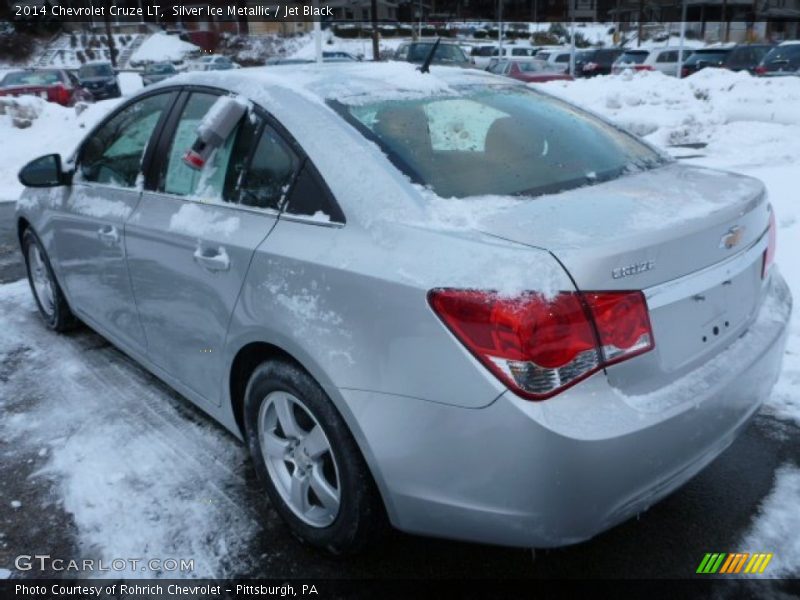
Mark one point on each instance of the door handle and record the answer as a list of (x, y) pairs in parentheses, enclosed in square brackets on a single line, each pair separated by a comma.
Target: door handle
[(109, 235), (212, 259)]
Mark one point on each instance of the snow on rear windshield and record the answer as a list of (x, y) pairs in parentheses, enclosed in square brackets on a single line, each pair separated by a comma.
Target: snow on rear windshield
[(497, 141)]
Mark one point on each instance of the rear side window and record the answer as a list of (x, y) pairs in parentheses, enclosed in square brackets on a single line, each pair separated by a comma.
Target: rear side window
[(212, 182), (271, 172), (668, 57), (113, 154)]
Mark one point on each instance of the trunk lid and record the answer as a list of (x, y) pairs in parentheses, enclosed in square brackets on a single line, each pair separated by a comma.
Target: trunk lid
[(692, 238)]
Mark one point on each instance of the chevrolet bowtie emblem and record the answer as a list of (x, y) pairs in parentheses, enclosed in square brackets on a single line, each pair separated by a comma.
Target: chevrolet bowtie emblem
[(732, 237)]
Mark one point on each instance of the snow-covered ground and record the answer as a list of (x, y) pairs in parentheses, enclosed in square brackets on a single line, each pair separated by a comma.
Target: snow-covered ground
[(137, 493), (55, 129)]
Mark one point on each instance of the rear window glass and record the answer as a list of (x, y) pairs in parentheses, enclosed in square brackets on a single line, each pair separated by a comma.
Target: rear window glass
[(497, 141), (636, 57), (87, 71), (783, 53), (32, 78), (709, 57)]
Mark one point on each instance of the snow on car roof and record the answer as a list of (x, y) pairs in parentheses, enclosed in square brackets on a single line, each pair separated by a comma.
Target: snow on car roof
[(343, 81)]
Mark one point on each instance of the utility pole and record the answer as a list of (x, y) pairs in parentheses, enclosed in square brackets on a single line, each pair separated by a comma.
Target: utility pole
[(317, 34), (500, 28), (376, 51), (640, 28), (112, 50), (572, 43), (683, 37)]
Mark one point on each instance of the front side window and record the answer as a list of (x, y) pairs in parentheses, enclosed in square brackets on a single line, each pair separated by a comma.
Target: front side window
[(113, 154), (497, 140)]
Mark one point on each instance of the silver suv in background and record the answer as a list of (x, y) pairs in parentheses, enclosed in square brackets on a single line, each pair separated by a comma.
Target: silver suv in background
[(664, 60)]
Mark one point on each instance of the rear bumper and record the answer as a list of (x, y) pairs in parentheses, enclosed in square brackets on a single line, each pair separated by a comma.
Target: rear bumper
[(541, 474)]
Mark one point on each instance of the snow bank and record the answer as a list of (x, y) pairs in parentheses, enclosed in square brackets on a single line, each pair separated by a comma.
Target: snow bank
[(55, 129), (162, 47), (668, 111)]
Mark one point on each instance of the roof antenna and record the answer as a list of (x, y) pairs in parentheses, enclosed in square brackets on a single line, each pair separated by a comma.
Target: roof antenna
[(426, 66)]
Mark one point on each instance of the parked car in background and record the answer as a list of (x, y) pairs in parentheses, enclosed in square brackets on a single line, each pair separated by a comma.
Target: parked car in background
[(664, 60), (213, 62), (446, 53), (530, 71), (482, 55), (155, 72), (740, 57), (521, 389), (783, 59), (100, 78), (557, 58), (597, 61), (54, 85), (338, 56)]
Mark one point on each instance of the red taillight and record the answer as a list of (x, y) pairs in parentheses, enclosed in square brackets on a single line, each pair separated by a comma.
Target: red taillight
[(59, 94), (538, 346), (684, 72), (760, 70), (643, 68), (769, 253)]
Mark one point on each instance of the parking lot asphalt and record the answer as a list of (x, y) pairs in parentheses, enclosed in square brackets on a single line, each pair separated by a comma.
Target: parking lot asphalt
[(711, 513)]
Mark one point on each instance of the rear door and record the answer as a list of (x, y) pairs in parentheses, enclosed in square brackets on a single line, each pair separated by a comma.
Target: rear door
[(190, 243)]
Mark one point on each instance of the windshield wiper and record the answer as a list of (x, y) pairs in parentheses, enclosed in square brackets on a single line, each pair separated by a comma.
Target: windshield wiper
[(426, 66)]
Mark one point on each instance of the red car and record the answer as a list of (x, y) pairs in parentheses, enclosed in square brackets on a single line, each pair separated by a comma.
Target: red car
[(530, 71), (54, 85)]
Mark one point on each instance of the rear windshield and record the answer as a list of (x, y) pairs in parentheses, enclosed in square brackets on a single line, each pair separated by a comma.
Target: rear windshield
[(32, 78), (783, 54), (482, 51), (160, 69), (532, 66), (95, 71), (633, 56), (444, 53), (710, 57), (497, 140)]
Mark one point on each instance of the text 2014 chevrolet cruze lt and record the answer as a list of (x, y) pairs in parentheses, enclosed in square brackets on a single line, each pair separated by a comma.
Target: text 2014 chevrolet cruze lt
[(444, 299)]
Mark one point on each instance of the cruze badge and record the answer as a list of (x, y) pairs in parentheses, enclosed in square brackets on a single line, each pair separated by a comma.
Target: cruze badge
[(633, 269), (732, 237)]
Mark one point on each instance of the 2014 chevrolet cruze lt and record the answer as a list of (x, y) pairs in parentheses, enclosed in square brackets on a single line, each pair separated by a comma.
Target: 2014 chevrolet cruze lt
[(445, 298)]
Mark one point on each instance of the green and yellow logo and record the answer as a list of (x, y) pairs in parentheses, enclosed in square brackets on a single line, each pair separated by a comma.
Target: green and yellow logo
[(734, 563)]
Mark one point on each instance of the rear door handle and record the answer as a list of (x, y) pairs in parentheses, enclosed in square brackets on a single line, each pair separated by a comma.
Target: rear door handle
[(109, 235), (212, 259)]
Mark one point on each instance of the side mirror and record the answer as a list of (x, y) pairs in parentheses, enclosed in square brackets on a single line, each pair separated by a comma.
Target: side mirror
[(44, 171)]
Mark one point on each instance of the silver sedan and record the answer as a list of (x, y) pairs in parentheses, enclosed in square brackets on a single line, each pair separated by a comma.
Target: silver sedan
[(443, 301)]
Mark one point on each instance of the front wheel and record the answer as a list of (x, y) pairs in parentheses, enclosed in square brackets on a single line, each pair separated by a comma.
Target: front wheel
[(48, 295), (312, 469)]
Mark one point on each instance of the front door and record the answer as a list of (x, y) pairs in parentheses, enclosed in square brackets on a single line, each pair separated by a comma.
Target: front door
[(89, 232)]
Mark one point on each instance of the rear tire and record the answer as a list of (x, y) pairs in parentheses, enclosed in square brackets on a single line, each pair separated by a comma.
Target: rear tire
[(304, 453), (46, 292)]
